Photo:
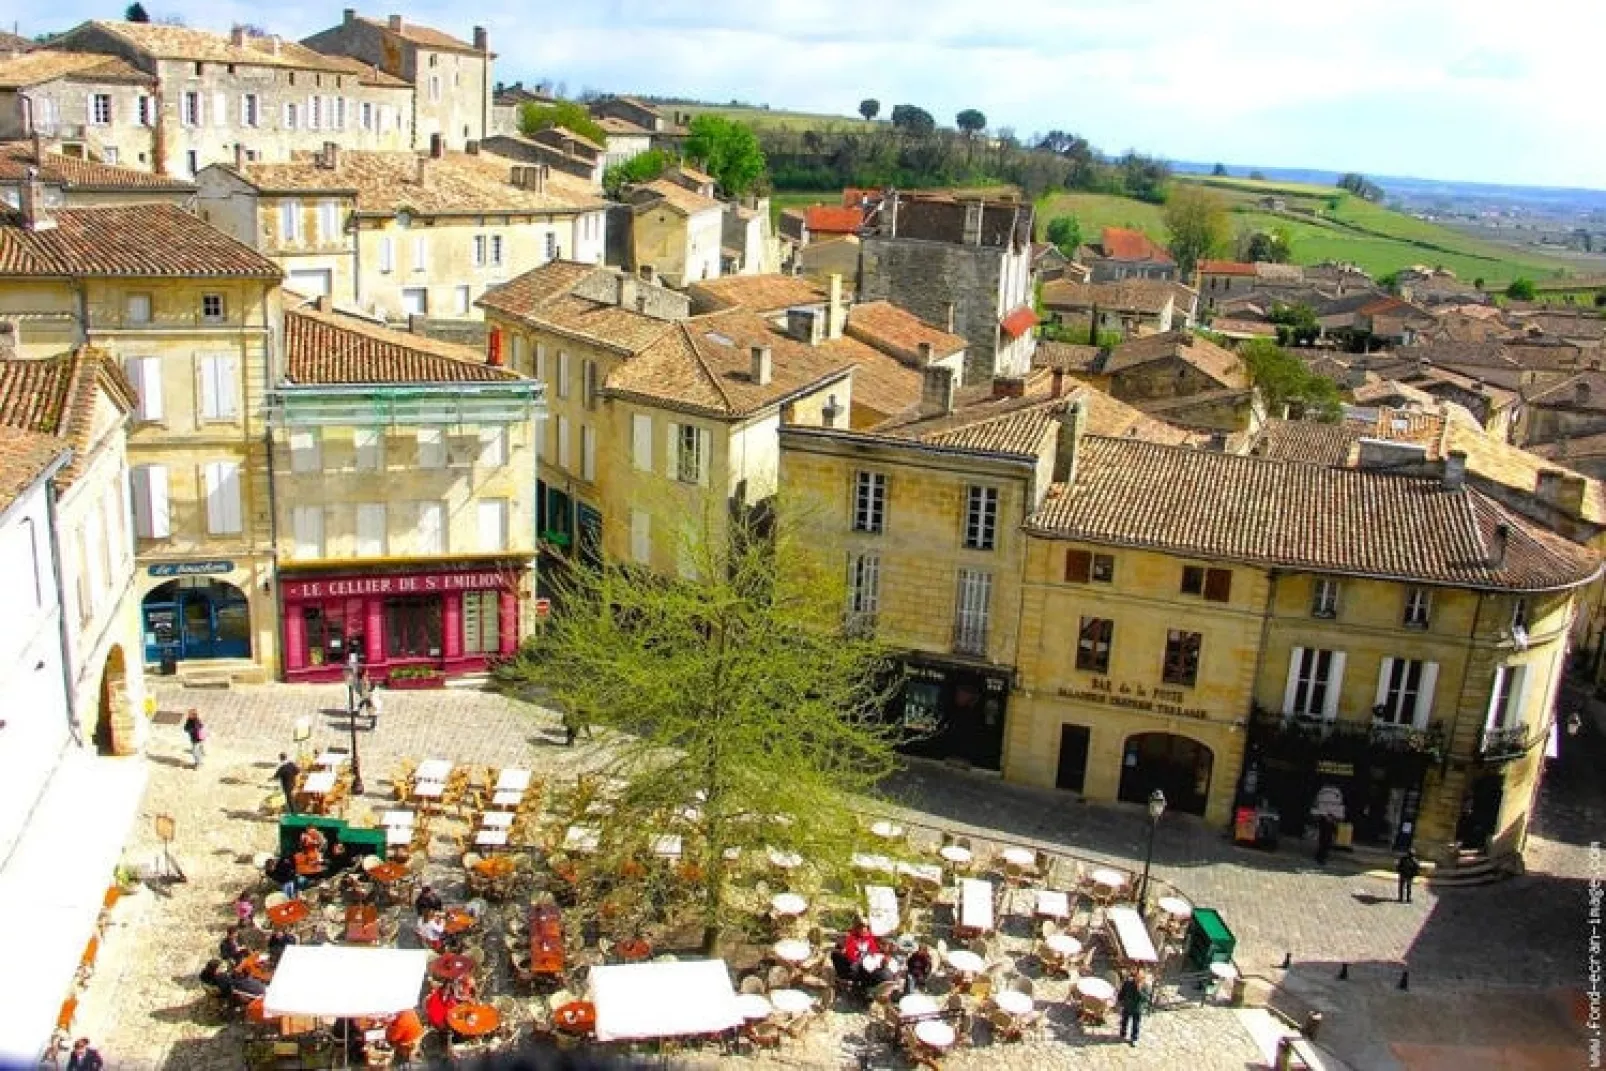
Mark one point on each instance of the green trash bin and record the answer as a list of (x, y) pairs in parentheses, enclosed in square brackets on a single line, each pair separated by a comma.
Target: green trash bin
[(1209, 939)]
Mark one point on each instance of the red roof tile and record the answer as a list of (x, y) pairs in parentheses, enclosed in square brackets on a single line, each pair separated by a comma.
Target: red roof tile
[(74, 172), (831, 219), (1019, 322), (137, 241), (330, 348), (58, 396), (1122, 244), (25, 456), (1226, 267)]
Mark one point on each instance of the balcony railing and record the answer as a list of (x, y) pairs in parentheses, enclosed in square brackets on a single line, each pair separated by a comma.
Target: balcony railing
[(970, 637), (1504, 744), (1334, 735)]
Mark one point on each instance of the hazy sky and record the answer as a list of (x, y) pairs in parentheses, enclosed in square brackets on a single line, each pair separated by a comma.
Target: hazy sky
[(1458, 89)]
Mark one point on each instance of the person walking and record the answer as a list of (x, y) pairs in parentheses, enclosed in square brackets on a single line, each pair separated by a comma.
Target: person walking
[(1326, 829), (84, 1057), (353, 678), (369, 704), (1407, 869), (195, 729), (1130, 998), (287, 773)]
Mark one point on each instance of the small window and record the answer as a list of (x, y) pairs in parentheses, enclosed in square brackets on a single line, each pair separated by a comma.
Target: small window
[(551, 246), (1213, 584), (139, 308), (1093, 645), (1418, 606), (1519, 616), (1324, 597), (1103, 569), (496, 250), (1078, 566), (864, 588), (1181, 658), (981, 518), (100, 109), (212, 308), (192, 109), (870, 502), (1193, 580), (689, 459)]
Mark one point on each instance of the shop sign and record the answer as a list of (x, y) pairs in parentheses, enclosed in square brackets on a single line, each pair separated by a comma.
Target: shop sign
[(212, 568), (1336, 769), (925, 673), (425, 584), (1128, 696)]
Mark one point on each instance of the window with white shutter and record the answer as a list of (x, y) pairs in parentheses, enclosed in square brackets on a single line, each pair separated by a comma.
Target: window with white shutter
[(540, 361), (478, 245), (640, 536), (493, 447), (306, 450), (588, 384), (971, 611), (146, 375), (431, 532), (588, 452), (641, 442), (1315, 679), (289, 221), (220, 482), (387, 254), (328, 221), (687, 449), (563, 374), (137, 309), (372, 534), (370, 444), (307, 525), (314, 112), (152, 518), (290, 115), (219, 390), (492, 524), (420, 253), (1506, 698), (431, 448), (564, 457), (1405, 692)]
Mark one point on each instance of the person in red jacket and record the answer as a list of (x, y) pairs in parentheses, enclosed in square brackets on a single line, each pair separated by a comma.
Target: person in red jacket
[(857, 943), (438, 1005)]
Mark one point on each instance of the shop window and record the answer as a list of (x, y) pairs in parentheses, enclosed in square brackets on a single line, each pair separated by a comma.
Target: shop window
[(1093, 645), (1181, 658), (1324, 597), (1418, 607), (482, 632), (870, 502), (413, 627), (921, 705), (325, 628)]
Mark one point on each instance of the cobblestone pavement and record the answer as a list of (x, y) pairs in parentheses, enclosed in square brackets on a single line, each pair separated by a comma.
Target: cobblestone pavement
[(144, 1008)]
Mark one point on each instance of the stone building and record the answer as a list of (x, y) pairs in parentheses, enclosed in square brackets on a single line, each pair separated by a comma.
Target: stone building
[(74, 181), (507, 101), (188, 313), (217, 95), (559, 148), (1130, 308), (625, 140), (676, 232), (965, 264), (404, 483), (404, 234), (1180, 378), (89, 103), (1121, 253), (450, 79)]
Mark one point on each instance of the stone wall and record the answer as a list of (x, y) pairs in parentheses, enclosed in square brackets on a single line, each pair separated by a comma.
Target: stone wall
[(932, 278)]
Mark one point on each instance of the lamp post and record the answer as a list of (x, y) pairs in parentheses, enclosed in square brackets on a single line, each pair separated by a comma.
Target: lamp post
[(1156, 809), (353, 683)]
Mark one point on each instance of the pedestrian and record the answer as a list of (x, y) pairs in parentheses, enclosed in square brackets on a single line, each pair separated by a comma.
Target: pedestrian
[(1326, 828), (353, 680), (1407, 869), (287, 773), (195, 729), (370, 702), (1130, 998), (571, 728), (84, 1058)]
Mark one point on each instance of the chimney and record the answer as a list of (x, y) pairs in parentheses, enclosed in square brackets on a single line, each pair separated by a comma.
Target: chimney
[(1057, 383), (422, 175), (937, 391), (541, 171), (829, 414), (804, 324), (395, 24), (1563, 490), (927, 352), (948, 315), (437, 146), (240, 159), (274, 44), (1069, 442), (31, 200), (641, 302), (237, 37), (624, 290), (762, 366), (482, 41), (1498, 545), (834, 312), (1008, 386), (471, 147), (1455, 470), (330, 160), (1581, 393), (348, 16), (646, 273), (321, 303)]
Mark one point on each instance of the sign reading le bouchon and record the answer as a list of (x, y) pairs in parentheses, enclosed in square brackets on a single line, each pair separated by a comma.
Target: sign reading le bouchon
[(391, 585), (1165, 701), (215, 568)]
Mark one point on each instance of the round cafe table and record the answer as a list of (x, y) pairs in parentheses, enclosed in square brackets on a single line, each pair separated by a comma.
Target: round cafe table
[(887, 830), (460, 921), (633, 950), (1064, 944), (915, 1005), (754, 1006), (1013, 1001), (451, 966), (788, 904), (288, 913), (1109, 879), (578, 1017), (785, 860), (387, 873), (965, 961), (1021, 857), (258, 966), (791, 1001), (935, 1034), (473, 1020), (1175, 906), (1095, 989), (955, 854), (792, 951)]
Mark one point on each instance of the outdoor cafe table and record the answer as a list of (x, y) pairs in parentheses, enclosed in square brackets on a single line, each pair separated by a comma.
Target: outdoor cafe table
[(362, 924), (965, 961), (955, 854), (507, 799), (976, 905), (546, 940), (473, 1020), (887, 830), (785, 860), (491, 838), (496, 819), (429, 790), (450, 966), (788, 904), (1052, 904), (791, 950), (433, 770), (288, 913), (1013, 1001), (319, 782), (667, 846), (882, 916), (791, 1001), (1021, 857), (1095, 989), (1175, 906), (582, 839), (754, 1006), (930, 873), (334, 759), (641, 1001), (258, 965), (398, 818), (387, 873), (863, 861), (1131, 935), (935, 1034), (513, 781), (1063, 944), (916, 1005), (460, 920), (1112, 880), (397, 837)]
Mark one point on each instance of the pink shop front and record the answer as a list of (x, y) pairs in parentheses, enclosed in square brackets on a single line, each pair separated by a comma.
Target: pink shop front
[(454, 620)]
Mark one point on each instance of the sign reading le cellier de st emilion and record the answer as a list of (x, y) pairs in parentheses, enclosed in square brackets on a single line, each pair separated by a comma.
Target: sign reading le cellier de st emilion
[(1164, 701)]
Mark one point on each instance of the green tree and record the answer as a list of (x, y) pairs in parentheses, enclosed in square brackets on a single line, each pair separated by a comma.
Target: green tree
[(1219, 171), (1296, 324), (1143, 177), (1196, 221), (565, 113), (1521, 290), (1274, 246), (869, 107), (1283, 379), (641, 168), (912, 120), (1257, 176), (739, 694), (1361, 186), (727, 150), (971, 121), (1066, 233), (136, 13)]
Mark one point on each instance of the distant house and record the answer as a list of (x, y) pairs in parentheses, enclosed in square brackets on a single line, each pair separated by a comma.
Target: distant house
[(559, 148), (1174, 376), (1224, 278), (676, 232), (1127, 254), (508, 101), (625, 140), (1048, 263), (642, 117), (1132, 307)]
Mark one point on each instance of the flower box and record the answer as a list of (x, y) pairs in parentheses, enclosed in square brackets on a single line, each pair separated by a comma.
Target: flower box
[(403, 681)]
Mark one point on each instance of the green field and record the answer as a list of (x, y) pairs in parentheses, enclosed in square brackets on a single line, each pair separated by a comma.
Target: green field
[(1360, 232), (766, 117)]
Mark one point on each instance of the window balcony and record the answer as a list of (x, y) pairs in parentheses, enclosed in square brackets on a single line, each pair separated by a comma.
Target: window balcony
[(1341, 736), (1504, 744), (970, 638)]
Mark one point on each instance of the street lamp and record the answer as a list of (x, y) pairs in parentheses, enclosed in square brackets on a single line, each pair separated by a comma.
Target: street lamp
[(1156, 809), (353, 683)]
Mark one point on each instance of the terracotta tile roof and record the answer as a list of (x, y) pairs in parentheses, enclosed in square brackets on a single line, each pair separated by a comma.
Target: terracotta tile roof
[(1143, 296), (1574, 448), (1066, 356), (1519, 469), (1220, 365), (140, 241), (760, 293), (1285, 515), (701, 178), (578, 139), (45, 65), (183, 43), (25, 456), (686, 202), (900, 332), (1119, 243), (544, 297), (1309, 441), (833, 219), (385, 183), (73, 172), (367, 74), (1018, 321), (621, 127), (331, 348), (1227, 267), (704, 365), (422, 35), (1390, 389), (1233, 327), (58, 396), (1586, 390)]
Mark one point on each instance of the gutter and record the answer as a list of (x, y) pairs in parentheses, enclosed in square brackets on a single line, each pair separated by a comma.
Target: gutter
[(64, 633)]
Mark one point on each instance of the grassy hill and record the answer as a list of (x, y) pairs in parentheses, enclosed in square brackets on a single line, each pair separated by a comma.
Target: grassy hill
[(759, 118), (1323, 223)]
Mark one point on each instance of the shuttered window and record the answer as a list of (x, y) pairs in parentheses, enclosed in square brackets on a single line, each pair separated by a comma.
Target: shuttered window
[(306, 450), (370, 444), (1405, 692), (493, 447), (641, 442), (1078, 566), (152, 519), (146, 375), (588, 452), (1093, 644), (1315, 681), (971, 614), (640, 536), (1181, 664), (431, 448), (372, 525), (1506, 698), (492, 513), (219, 389), (220, 481), (1218, 585), (864, 586), (307, 524), (430, 535)]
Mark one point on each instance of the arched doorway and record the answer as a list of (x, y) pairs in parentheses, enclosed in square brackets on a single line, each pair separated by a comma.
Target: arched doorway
[(196, 617), (1176, 765), (113, 721)]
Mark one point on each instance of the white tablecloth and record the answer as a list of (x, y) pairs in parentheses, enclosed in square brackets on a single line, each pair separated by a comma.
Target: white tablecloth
[(397, 818), (883, 914), (496, 820), (1095, 988), (1013, 1001), (582, 839), (513, 781), (1132, 935), (667, 846), (976, 905), (1110, 879), (660, 1000), (333, 759), (429, 790), (396, 836), (1052, 904), (507, 799), (866, 862), (491, 838), (930, 873), (318, 783), (433, 770), (1022, 857), (332, 981)]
